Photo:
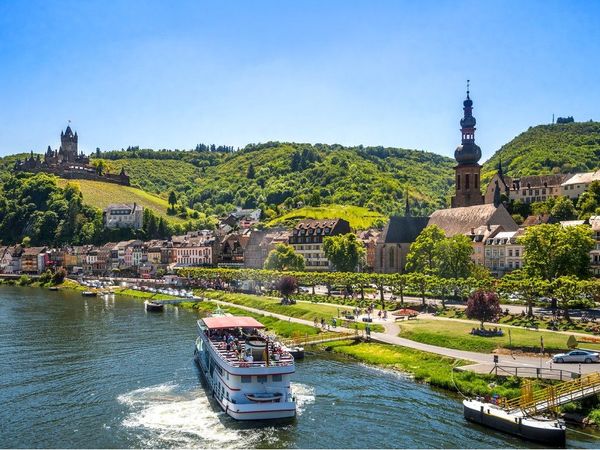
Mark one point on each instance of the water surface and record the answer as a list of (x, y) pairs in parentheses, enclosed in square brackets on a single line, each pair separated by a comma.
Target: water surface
[(81, 372)]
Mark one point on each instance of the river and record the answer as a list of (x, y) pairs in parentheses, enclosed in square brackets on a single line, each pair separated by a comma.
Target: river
[(88, 372)]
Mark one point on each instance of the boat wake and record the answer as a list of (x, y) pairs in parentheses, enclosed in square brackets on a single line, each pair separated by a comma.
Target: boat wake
[(174, 419), (305, 395), (163, 416)]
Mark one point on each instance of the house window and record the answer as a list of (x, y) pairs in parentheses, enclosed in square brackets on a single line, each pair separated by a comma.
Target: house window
[(476, 180), (457, 182), (467, 181), (391, 257)]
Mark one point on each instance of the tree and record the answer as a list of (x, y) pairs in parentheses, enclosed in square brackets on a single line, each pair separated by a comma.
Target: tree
[(423, 255), (283, 257), (287, 285), (483, 306), (563, 209), (344, 251), (454, 255), (172, 199), (528, 288), (251, 173), (551, 250)]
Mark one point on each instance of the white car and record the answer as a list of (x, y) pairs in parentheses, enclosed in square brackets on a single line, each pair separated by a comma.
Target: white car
[(577, 356)]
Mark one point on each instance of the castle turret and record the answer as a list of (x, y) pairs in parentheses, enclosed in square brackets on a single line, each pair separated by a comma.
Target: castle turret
[(467, 155), (68, 142)]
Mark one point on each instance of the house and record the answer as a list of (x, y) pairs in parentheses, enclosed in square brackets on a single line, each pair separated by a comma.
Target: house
[(369, 239), (394, 242), (479, 237), (123, 215), (232, 248), (240, 219), (529, 189), (34, 260), (261, 243), (578, 184), (307, 240), (11, 259), (502, 252), (194, 249)]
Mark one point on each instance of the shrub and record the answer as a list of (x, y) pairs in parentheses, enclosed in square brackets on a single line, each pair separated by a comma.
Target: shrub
[(483, 306)]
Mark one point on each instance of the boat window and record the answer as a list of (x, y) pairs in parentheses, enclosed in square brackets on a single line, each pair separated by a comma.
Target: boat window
[(277, 378), (246, 379), (261, 378)]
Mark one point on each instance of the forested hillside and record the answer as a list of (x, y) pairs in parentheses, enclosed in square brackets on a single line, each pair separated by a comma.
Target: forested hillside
[(280, 176), (545, 149)]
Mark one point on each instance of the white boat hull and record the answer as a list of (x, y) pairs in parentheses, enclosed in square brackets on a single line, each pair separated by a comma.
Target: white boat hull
[(550, 432)]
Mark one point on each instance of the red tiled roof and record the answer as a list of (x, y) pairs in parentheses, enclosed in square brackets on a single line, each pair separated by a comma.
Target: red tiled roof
[(214, 323)]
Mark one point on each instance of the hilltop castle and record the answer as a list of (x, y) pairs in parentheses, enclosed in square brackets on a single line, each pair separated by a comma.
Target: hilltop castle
[(67, 162)]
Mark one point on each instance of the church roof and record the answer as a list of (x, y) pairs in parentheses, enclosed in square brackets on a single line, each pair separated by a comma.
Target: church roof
[(461, 220), (402, 229)]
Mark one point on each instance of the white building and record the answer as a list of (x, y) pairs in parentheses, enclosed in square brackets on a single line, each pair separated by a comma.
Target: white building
[(578, 184), (502, 253), (123, 215)]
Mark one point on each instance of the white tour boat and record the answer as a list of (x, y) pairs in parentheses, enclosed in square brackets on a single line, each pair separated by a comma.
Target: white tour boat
[(247, 372)]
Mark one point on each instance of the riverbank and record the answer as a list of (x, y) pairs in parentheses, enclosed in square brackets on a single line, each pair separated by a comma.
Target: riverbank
[(306, 311)]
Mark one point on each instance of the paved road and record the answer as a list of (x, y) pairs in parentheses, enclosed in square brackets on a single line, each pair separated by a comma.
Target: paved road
[(390, 336)]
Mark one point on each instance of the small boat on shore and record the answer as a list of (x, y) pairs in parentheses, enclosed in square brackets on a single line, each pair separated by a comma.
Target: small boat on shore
[(295, 350), (53, 288), (153, 306), (89, 294)]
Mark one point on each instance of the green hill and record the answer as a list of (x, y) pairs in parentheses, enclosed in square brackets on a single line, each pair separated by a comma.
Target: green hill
[(279, 176), (359, 218), (545, 149), (100, 194)]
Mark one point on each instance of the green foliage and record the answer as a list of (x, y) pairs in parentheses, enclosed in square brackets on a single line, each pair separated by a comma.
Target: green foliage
[(546, 149), (283, 257), (423, 254), (434, 253), (552, 250), (344, 251), (358, 217), (288, 174), (563, 209)]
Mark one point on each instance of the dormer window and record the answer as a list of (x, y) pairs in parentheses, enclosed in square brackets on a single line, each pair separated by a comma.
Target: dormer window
[(326, 231)]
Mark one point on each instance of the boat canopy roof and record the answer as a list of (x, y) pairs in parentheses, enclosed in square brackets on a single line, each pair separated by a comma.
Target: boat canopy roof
[(215, 323)]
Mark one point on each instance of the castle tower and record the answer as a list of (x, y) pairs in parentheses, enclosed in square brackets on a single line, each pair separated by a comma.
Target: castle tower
[(468, 191), (68, 144)]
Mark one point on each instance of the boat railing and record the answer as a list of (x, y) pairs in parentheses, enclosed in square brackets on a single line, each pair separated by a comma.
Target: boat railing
[(233, 358)]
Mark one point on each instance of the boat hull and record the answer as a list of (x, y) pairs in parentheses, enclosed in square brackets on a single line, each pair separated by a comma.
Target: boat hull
[(523, 427), (154, 307), (247, 411)]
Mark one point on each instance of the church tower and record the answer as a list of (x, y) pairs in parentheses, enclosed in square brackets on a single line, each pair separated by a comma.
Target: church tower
[(68, 145), (468, 191)]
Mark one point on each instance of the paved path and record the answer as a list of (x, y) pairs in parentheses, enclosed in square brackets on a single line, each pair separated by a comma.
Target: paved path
[(390, 336)]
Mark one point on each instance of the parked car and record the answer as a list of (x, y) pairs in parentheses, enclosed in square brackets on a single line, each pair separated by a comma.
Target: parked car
[(577, 356)]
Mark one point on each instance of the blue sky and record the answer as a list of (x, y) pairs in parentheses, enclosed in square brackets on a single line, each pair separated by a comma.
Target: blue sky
[(163, 74)]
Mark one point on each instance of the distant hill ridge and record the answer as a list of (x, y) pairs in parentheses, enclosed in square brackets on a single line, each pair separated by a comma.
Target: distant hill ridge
[(546, 149)]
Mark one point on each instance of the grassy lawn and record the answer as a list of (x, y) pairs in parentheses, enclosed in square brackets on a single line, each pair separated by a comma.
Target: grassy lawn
[(281, 328), (519, 320), (359, 218), (454, 334), (100, 195), (306, 311), (427, 367)]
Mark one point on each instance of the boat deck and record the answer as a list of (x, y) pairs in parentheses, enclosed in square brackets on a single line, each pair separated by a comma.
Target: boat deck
[(233, 358)]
